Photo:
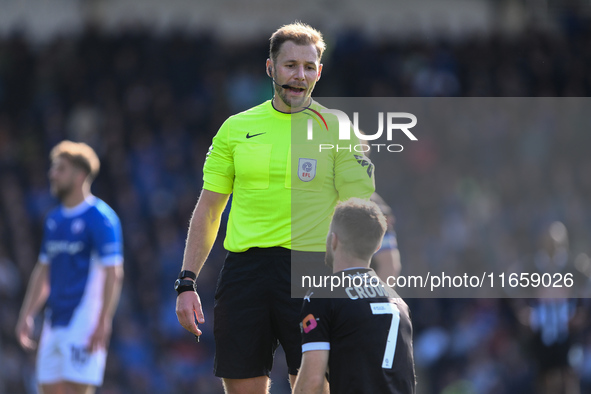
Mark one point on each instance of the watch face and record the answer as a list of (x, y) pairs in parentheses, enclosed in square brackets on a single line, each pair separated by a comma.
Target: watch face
[(177, 283)]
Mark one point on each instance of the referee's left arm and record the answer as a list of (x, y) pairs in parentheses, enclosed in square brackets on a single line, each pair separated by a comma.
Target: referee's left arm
[(354, 176)]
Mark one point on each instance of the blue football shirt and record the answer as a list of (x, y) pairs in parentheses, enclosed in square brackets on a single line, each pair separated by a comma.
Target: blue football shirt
[(77, 243)]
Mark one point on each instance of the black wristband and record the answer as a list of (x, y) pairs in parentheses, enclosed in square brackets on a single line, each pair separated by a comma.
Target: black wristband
[(187, 274), (181, 286), (182, 289)]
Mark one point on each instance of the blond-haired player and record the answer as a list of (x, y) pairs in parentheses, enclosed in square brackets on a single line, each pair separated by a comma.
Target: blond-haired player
[(78, 276)]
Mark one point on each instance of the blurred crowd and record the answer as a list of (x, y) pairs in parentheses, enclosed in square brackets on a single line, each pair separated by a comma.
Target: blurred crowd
[(150, 104)]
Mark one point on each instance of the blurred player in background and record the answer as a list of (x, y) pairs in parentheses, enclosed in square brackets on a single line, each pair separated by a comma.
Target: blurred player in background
[(79, 275), (360, 335), (251, 158), (553, 319)]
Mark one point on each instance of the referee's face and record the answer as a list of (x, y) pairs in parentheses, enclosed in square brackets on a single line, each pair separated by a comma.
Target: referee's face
[(299, 67)]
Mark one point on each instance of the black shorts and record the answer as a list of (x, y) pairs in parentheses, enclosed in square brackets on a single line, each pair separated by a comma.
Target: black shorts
[(254, 313)]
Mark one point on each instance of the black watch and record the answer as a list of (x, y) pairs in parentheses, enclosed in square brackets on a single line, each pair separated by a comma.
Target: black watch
[(182, 285), (187, 274)]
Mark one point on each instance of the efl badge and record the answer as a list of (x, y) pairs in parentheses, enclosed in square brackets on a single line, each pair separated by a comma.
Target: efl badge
[(307, 169)]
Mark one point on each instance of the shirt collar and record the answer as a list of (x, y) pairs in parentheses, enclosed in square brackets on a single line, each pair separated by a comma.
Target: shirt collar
[(80, 208)]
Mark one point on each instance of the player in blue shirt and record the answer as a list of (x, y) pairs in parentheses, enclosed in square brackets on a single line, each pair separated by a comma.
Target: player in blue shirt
[(78, 277)]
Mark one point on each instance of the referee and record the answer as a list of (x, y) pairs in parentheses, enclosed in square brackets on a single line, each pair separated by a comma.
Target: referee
[(284, 194), (359, 332)]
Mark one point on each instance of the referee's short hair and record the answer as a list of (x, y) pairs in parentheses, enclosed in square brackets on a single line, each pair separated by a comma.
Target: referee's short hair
[(80, 155), (298, 32), (360, 226)]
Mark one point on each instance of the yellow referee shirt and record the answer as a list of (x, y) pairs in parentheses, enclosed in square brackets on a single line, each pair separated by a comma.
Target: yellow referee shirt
[(285, 188)]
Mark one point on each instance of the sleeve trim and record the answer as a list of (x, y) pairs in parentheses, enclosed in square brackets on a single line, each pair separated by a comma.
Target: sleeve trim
[(112, 260), (217, 189), (306, 347)]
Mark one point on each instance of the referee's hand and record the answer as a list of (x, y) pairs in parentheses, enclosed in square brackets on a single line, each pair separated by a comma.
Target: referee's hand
[(188, 305)]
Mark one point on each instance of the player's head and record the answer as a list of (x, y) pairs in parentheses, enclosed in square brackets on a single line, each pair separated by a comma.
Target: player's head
[(72, 165), (295, 52), (357, 228)]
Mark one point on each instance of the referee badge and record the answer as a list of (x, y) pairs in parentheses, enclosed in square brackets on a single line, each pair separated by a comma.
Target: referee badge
[(306, 169)]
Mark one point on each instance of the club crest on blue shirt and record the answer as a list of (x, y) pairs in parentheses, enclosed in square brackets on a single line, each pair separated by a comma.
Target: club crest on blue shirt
[(51, 225), (77, 226), (306, 169)]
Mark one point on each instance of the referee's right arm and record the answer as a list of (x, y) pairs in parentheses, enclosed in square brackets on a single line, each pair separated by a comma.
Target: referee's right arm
[(203, 230), (218, 178)]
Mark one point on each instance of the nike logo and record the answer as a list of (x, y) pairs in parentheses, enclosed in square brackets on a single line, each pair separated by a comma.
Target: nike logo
[(254, 135)]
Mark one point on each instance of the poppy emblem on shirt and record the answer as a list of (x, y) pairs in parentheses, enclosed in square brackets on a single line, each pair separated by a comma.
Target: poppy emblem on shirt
[(77, 226), (306, 169)]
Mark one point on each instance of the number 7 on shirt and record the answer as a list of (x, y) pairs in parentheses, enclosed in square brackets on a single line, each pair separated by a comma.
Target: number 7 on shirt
[(382, 308)]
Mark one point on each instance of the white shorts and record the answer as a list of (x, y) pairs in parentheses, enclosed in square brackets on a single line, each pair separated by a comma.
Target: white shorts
[(62, 356)]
